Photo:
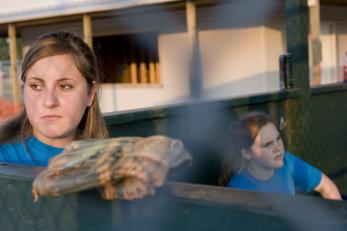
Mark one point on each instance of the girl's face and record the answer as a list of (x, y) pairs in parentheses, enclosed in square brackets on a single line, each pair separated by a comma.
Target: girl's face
[(267, 150), (56, 96)]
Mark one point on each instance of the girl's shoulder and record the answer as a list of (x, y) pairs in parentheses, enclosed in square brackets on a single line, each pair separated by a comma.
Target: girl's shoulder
[(290, 158), (288, 155), (9, 149), (30, 151), (10, 144), (242, 180)]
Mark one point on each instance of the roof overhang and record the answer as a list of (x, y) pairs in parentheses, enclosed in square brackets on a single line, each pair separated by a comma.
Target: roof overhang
[(36, 10)]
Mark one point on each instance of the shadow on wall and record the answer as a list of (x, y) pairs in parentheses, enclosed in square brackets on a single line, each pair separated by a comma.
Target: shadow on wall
[(248, 85)]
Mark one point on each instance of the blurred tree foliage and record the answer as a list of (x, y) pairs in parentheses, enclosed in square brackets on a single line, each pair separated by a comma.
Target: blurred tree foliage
[(5, 49)]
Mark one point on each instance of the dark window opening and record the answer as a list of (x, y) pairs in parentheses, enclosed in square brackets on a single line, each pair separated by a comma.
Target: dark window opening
[(131, 58)]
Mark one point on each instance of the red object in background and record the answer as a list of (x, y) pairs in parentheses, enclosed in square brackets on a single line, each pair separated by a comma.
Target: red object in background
[(345, 74), (7, 110)]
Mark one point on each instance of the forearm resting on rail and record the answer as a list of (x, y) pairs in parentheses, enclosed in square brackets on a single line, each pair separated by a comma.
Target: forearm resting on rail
[(328, 189)]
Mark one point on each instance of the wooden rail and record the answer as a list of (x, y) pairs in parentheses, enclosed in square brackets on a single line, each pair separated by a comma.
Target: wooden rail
[(176, 206)]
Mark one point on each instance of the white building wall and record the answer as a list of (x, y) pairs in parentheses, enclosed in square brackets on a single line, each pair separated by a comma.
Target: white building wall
[(241, 58), (232, 61)]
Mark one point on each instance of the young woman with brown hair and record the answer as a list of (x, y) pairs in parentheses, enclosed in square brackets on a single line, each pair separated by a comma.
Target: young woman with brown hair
[(61, 80)]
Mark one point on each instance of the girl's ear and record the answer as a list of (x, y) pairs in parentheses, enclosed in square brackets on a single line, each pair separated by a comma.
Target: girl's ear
[(91, 94), (246, 154)]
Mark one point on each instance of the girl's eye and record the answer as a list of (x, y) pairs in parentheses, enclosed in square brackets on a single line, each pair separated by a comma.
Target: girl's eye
[(35, 86), (65, 86), (271, 143), (267, 145)]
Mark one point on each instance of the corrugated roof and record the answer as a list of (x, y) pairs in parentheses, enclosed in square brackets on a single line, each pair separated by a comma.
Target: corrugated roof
[(23, 10)]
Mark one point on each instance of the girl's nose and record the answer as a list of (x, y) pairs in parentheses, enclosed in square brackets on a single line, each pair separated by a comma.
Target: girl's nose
[(276, 144), (50, 98)]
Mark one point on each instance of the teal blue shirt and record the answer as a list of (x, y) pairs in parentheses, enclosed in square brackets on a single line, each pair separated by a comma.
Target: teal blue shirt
[(28, 152), (294, 175)]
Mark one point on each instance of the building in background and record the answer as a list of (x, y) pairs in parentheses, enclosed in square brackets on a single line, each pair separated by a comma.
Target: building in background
[(159, 52)]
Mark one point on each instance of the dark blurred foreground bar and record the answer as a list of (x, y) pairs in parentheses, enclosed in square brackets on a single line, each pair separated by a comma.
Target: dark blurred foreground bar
[(177, 206)]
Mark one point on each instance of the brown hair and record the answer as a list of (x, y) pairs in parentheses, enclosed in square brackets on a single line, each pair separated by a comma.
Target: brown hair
[(92, 124), (242, 136)]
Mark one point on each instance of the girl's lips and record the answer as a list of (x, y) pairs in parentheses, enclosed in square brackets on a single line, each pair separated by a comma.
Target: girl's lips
[(279, 157), (51, 117)]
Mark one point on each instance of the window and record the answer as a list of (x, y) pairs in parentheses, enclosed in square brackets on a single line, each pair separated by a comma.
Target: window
[(130, 58)]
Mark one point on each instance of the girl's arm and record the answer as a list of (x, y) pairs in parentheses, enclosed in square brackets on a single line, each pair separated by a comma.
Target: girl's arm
[(328, 189)]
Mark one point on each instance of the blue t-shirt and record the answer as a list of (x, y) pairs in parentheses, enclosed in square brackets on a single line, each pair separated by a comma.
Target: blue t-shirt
[(295, 174), (29, 152)]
